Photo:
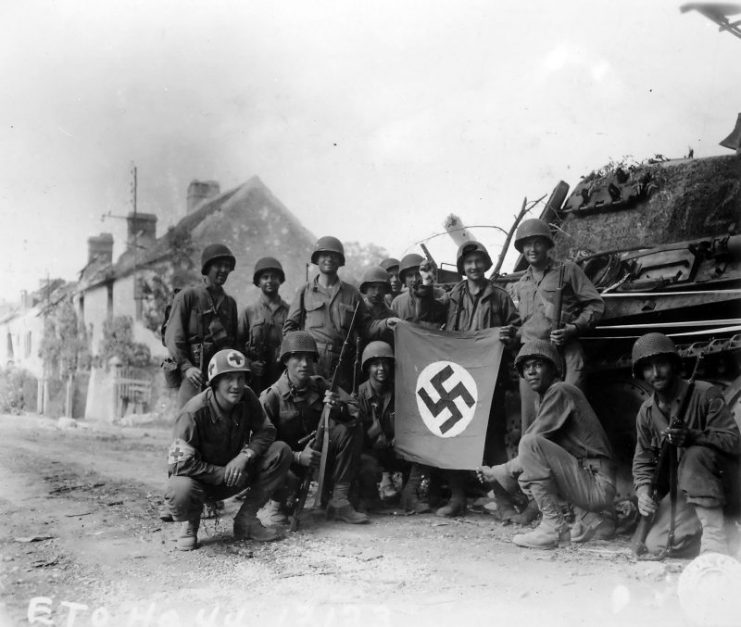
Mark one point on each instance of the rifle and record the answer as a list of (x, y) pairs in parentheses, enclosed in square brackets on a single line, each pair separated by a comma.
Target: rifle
[(356, 368), (303, 489), (558, 300), (667, 455)]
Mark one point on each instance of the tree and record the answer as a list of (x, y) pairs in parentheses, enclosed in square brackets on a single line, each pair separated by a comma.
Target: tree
[(64, 345), (118, 341), (358, 257)]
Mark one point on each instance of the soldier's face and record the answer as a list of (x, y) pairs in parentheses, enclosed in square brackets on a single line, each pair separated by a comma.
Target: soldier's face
[(328, 262), (269, 282), (230, 388), (375, 292), (474, 266), (535, 250), (539, 374), (300, 366), (659, 373), (218, 271), (394, 280), (379, 369)]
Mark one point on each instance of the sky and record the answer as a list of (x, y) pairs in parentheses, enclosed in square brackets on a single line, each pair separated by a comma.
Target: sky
[(370, 121)]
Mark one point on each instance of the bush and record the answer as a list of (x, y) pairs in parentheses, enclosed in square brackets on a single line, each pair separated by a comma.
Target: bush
[(17, 391)]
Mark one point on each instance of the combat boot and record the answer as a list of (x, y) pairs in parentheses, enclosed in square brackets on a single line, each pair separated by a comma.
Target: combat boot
[(551, 530), (410, 493), (340, 508), (188, 538), (273, 514), (457, 504), (247, 526), (713, 532), (592, 525)]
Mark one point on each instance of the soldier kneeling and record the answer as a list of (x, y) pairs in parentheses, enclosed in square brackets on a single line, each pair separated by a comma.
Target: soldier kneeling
[(223, 444), (563, 455), (294, 403)]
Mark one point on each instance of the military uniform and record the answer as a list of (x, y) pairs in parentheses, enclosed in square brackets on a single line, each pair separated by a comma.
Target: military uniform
[(197, 311), (326, 314), (296, 413), (707, 470), (261, 332), (582, 306), (206, 439), (381, 311), (428, 311)]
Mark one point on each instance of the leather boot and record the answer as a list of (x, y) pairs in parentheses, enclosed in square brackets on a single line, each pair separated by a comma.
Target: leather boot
[(551, 530), (340, 508), (188, 538), (247, 526), (713, 532), (410, 493), (592, 525), (273, 514), (457, 504)]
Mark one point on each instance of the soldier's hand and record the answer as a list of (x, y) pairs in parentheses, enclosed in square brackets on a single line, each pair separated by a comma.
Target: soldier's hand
[(194, 377), (559, 337), (677, 436), (506, 333), (646, 505), (331, 398), (235, 472), (309, 457), (257, 368), (427, 274), (392, 322), (381, 443)]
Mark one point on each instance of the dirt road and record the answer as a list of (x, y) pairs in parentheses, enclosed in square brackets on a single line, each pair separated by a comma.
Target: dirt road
[(104, 558)]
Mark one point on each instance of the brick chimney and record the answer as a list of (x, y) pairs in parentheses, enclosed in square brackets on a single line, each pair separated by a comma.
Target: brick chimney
[(142, 230), (199, 191), (100, 247)]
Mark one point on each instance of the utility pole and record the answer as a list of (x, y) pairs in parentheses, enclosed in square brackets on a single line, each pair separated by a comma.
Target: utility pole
[(137, 287)]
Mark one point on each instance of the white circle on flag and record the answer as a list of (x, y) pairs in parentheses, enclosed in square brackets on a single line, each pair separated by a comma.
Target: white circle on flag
[(446, 398)]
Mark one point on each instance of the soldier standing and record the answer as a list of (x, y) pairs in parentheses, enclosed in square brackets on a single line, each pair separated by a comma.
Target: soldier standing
[(421, 303), (261, 324), (535, 295), (391, 265), (203, 321), (375, 286), (294, 404), (223, 444), (474, 304), (707, 445), (324, 308), (564, 454)]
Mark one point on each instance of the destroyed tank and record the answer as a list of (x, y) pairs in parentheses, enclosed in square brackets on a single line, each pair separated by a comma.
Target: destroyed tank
[(661, 241)]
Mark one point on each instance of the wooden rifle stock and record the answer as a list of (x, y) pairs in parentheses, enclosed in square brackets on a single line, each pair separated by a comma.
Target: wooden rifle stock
[(667, 454), (558, 300), (303, 490)]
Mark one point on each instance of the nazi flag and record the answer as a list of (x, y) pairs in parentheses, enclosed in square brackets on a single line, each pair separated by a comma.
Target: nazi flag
[(444, 385)]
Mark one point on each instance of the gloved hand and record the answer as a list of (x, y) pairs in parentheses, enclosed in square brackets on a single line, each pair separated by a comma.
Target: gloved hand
[(646, 505)]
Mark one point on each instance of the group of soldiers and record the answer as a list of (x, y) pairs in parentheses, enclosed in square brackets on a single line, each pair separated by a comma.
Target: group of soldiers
[(253, 386)]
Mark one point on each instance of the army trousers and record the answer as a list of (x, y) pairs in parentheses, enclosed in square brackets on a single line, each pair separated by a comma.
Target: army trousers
[(549, 469), (185, 496)]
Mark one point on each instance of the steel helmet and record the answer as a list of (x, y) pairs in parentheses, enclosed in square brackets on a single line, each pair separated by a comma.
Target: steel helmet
[(376, 349), (267, 263), (297, 342), (410, 262), (650, 345), (532, 228), (212, 252), (227, 360), (328, 244), (538, 348), (375, 274), (466, 248), (389, 263)]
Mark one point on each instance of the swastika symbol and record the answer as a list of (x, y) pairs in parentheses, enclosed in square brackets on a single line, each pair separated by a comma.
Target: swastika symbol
[(446, 398)]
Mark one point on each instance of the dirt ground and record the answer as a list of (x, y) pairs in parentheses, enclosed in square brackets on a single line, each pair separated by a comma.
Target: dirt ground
[(88, 498)]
